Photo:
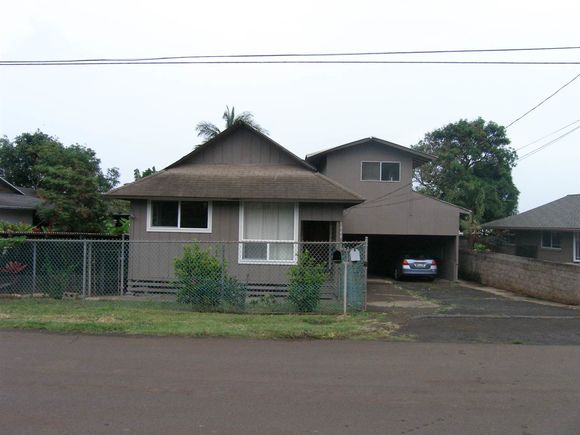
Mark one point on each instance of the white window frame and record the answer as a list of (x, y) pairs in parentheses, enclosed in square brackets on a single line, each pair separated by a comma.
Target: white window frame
[(380, 180), (576, 239), (242, 260), (551, 247), (154, 229)]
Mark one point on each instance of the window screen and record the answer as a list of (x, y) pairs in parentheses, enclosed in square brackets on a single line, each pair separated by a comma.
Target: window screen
[(371, 171), (194, 214), (164, 213), (390, 171)]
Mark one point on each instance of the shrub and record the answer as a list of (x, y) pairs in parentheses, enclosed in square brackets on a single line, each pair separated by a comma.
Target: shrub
[(202, 281), (9, 227), (306, 279), (480, 247)]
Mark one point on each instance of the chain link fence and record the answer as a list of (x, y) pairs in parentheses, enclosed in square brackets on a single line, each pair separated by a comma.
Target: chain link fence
[(253, 276)]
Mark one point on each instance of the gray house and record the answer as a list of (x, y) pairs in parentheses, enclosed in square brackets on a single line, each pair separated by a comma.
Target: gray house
[(17, 204), (239, 186), (243, 186), (394, 218), (550, 232)]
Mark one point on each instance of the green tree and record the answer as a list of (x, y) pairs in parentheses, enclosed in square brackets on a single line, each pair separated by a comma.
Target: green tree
[(207, 130), (146, 172), (69, 179), (473, 168)]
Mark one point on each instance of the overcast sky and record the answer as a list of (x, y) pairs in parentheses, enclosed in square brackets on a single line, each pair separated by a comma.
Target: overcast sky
[(140, 116)]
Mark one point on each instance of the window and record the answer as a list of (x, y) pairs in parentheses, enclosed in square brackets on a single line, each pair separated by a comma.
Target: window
[(179, 216), (577, 246), (263, 228), (551, 240), (381, 171), (509, 238)]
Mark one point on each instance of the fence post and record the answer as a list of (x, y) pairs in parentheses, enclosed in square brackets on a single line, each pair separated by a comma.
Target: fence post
[(122, 276), (345, 286), (90, 268), (223, 272), (84, 268), (366, 266), (33, 268)]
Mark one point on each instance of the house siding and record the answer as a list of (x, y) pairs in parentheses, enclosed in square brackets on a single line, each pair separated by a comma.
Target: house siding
[(225, 223), (344, 166), (534, 239), (410, 214), (154, 261), (244, 147)]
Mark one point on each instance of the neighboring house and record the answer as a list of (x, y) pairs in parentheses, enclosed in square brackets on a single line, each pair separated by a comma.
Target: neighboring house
[(17, 204), (550, 232), (239, 186), (396, 219)]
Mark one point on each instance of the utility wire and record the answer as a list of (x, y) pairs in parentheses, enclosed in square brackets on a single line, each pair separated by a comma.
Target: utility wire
[(548, 135), (290, 62), (367, 53), (547, 144), (542, 102)]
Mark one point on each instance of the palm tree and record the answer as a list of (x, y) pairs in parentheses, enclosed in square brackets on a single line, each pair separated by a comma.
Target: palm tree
[(208, 131)]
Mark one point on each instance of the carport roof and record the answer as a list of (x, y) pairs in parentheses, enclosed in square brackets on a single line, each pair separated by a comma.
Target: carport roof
[(561, 214)]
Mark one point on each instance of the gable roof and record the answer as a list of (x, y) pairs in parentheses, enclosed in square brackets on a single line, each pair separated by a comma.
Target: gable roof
[(561, 214), (11, 186), (23, 198), (228, 132), (236, 181), (419, 158)]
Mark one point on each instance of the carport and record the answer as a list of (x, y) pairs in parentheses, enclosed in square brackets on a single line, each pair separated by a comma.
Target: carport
[(406, 223), (385, 250)]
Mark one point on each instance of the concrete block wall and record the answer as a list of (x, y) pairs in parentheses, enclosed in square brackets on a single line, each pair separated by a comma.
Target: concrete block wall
[(555, 282)]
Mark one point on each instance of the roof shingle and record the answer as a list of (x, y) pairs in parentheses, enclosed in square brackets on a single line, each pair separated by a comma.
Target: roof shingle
[(563, 214), (227, 181)]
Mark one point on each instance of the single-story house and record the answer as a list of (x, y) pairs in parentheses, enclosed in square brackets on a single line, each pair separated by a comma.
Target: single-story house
[(549, 232), (395, 219), (17, 204), (243, 186)]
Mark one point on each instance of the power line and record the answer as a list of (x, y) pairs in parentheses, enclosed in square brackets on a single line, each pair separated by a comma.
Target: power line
[(542, 102), (547, 144), (295, 62), (548, 135), (368, 53)]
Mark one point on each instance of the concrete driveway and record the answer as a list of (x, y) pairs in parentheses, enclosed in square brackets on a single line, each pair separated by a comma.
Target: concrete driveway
[(443, 311)]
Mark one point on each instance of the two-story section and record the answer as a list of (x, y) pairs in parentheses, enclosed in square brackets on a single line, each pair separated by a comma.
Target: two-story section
[(396, 219)]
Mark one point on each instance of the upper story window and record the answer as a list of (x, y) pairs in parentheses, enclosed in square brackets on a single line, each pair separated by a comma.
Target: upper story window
[(381, 171), (551, 239), (179, 216)]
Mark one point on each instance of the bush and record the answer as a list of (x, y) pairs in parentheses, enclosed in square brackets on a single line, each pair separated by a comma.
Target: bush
[(306, 279), (202, 281), (9, 227), (480, 247)]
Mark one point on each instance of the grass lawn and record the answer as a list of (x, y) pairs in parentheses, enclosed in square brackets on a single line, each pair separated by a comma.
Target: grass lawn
[(166, 318)]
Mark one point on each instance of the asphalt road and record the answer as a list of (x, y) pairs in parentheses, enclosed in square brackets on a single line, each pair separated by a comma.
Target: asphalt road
[(68, 384)]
